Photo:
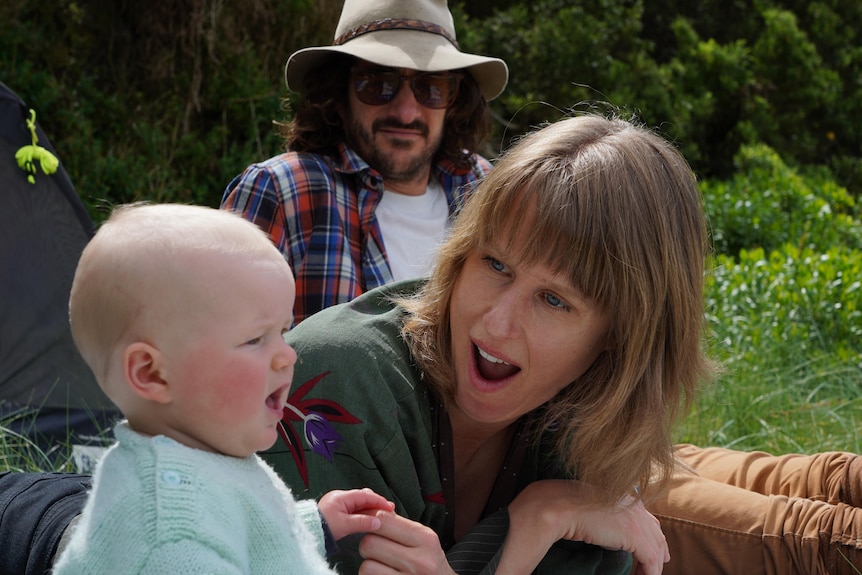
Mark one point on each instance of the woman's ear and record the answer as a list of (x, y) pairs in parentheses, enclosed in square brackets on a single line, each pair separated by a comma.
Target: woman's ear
[(142, 369)]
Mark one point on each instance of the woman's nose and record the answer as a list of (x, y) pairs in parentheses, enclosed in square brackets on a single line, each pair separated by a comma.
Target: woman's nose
[(502, 318)]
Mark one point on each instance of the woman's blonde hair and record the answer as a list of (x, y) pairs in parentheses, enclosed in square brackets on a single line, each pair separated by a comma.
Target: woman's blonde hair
[(616, 208)]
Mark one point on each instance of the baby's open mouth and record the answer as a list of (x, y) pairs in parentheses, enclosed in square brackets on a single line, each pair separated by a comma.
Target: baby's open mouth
[(278, 398)]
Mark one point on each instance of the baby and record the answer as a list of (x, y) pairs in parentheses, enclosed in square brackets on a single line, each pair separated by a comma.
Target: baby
[(180, 311)]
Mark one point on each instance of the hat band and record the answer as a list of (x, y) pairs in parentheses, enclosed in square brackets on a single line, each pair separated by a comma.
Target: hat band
[(395, 24)]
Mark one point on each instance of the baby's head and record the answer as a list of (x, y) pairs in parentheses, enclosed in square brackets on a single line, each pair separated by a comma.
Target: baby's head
[(180, 311)]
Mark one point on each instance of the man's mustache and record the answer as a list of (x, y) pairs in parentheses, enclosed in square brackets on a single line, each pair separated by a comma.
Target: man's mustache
[(418, 126)]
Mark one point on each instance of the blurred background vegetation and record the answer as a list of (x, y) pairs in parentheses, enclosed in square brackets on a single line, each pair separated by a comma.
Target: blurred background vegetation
[(167, 100)]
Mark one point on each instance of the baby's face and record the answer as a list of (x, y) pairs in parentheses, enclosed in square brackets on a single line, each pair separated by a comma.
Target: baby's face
[(228, 365)]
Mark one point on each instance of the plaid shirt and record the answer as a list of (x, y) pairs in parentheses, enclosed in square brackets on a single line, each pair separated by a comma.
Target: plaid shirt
[(320, 213)]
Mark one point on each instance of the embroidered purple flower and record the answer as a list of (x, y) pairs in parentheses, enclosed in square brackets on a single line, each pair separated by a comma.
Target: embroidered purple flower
[(317, 415), (320, 436)]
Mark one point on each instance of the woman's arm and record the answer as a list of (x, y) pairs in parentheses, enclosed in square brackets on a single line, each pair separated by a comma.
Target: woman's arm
[(543, 513), (550, 510)]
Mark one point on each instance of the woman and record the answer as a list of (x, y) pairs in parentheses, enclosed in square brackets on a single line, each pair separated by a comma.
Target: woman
[(525, 393)]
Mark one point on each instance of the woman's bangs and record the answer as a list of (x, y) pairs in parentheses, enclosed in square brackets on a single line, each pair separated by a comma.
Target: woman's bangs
[(551, 220)]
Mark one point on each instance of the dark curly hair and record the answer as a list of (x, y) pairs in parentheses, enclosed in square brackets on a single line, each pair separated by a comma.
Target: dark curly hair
[(317, 127)]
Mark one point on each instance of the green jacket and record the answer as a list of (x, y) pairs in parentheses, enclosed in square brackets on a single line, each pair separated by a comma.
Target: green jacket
[(360, 415)]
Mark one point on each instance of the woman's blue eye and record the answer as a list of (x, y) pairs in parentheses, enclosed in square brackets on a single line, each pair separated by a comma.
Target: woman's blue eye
[(554, 301), (495, 264)]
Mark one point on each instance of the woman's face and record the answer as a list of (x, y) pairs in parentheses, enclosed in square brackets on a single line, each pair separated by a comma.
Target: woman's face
[(520, 334)]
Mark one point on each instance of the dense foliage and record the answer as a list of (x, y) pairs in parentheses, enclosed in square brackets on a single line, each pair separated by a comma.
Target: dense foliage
[(714, 75), (164, 100), (766, 204), (169, 99), (803, 302)]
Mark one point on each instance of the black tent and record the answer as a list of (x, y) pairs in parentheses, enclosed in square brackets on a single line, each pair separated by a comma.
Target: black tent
[(47, 392)]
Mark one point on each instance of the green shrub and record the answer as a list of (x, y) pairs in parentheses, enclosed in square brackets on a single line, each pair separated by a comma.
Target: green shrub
[(767, 204), (712, 75), (799, 304)]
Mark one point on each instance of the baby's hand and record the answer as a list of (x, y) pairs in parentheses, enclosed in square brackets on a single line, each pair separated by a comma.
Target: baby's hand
[(352, 511)]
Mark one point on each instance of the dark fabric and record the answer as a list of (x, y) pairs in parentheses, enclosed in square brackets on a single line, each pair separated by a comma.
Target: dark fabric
[(479, 551), (35, 509), (43, 229)]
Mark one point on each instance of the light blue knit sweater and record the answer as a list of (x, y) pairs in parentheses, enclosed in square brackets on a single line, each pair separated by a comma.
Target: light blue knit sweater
[(160, 507)]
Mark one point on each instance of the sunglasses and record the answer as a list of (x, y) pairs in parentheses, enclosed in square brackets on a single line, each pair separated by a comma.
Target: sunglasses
[(379, 86)]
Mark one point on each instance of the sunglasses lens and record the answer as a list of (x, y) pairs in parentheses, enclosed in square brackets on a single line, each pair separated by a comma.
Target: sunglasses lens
[(435, 90), (379, 87), (376, 88)]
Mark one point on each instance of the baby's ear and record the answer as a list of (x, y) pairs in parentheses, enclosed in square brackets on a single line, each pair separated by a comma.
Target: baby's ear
[(142, 368)]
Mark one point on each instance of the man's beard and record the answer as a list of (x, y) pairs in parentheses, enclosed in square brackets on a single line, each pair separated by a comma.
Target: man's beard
[(392, 170)]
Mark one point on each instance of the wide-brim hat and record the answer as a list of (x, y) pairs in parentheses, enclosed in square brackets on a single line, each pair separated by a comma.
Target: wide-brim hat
[(414, 34)]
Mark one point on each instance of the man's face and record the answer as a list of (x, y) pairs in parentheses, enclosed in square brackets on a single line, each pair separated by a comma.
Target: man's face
[(400, 137)]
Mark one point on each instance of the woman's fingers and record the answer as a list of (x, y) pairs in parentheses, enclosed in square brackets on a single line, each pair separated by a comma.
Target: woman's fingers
[(400, 545)]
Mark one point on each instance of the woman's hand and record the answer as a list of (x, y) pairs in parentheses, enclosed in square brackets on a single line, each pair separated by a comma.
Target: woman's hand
[(400, 545), (547, 511)]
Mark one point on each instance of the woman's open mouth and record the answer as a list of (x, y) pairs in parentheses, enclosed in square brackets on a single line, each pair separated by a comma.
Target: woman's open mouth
[(493, 368)]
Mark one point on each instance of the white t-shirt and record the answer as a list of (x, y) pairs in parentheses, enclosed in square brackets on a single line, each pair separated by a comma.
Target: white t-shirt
[(412, 228)]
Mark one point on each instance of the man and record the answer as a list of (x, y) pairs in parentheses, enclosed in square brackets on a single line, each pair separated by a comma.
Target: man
[(380, 153)]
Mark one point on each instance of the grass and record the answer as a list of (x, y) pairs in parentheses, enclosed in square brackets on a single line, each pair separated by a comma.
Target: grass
[(20, 452), (17, 453), (807, 407)]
